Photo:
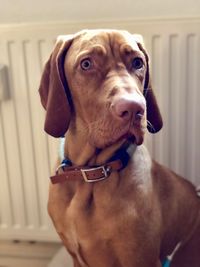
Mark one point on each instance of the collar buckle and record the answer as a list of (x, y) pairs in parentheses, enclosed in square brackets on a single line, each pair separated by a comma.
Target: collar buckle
[(90, 177)]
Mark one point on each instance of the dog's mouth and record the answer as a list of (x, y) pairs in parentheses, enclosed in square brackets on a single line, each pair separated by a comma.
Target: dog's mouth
[(136, 135), (134, 131), (104, 137)]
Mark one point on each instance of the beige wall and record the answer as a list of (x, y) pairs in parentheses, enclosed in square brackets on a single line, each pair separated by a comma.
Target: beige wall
[(15, 11)]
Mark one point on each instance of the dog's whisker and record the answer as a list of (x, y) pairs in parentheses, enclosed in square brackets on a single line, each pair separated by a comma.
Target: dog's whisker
[(151, 126), (139, 115), (146, 90)]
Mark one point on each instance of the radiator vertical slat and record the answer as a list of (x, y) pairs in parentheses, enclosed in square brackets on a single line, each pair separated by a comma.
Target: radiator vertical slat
[(28, 54), (13, 147), (182, 123), (165, 101), (24, 135), (190, 107), (39, 137), (6, 212), (6, 207), (41, 44), (148, 47), (157, 143), (174, 101), (31, 188), (197, 114)]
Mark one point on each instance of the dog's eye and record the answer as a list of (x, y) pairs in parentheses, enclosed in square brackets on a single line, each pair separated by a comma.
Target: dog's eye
[(137, 63), (86, 64)]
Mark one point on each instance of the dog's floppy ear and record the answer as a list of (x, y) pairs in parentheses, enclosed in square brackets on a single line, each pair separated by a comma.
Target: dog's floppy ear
[(54, 91), (154, 117)]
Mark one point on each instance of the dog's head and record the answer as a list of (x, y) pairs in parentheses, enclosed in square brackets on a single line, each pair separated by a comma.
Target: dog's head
[(98, 81)]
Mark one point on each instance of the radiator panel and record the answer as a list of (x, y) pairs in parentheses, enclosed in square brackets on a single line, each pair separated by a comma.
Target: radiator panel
[(27, 154)]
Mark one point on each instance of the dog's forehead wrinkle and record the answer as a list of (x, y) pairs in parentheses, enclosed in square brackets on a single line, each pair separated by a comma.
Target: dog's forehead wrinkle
[(111, 40), (93, 38)]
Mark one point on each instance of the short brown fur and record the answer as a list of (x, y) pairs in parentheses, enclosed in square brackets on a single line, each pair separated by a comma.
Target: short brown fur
[(137, 216)]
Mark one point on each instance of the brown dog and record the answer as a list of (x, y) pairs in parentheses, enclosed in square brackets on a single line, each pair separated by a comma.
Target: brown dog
[(114, 206)]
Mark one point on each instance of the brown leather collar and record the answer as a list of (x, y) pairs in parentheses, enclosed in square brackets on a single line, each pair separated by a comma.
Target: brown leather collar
[(88, 174)]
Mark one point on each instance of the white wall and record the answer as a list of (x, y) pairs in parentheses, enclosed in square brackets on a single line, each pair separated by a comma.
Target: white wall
[(18, 11)]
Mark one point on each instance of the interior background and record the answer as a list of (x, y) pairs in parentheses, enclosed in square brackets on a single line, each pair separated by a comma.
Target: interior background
[(172, 35)]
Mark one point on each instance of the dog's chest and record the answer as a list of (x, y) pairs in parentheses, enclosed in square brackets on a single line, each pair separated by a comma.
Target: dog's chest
[(73, 243), (102, 227), (89, 236), (103, 216)]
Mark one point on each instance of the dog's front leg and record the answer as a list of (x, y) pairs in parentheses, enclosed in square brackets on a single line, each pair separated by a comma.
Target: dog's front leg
[(76, 264), (188, 255)]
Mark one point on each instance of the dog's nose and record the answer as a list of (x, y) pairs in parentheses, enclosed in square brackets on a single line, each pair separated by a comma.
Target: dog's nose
[(127, 108)]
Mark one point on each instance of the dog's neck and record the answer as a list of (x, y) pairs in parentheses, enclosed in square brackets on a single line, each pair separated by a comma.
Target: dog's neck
[(81, 152)]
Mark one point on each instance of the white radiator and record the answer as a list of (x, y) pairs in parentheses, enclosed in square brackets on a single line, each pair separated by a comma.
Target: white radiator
[(27, 154)]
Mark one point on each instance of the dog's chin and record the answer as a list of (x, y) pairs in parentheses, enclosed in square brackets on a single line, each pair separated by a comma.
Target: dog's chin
[(136, 139), (135, 136)]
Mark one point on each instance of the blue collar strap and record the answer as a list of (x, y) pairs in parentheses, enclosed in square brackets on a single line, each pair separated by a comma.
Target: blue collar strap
[(166, 263), (123, 154)]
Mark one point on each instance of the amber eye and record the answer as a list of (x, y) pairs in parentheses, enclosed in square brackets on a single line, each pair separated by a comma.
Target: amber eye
[(86, 64), (137, 63)]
